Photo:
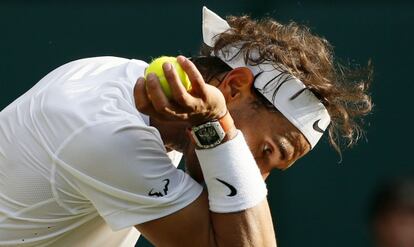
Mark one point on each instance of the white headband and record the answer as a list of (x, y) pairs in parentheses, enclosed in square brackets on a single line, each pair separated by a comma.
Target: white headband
[(287, 93)]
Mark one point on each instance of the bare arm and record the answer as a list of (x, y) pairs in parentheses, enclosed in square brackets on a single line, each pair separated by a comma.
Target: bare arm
[(195, 225)]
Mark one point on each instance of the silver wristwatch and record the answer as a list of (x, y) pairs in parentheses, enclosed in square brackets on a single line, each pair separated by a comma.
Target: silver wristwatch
[(212, 133)]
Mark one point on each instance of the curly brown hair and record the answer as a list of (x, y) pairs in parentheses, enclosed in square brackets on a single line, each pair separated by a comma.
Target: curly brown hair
[(342, 89)]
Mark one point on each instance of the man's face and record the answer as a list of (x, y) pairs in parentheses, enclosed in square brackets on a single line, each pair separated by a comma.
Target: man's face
[(274, 141)]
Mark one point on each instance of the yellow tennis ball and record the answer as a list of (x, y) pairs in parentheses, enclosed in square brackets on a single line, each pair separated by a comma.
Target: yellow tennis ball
[(156, 67)]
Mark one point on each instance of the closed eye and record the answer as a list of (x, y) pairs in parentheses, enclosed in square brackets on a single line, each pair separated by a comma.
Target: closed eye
[(267, 149)]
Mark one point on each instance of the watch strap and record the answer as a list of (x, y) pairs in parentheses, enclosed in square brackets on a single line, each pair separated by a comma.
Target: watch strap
[(226, 122)]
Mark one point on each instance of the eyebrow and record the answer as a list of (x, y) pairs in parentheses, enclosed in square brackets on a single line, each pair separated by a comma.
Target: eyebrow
[(282, 148), (283, 144)]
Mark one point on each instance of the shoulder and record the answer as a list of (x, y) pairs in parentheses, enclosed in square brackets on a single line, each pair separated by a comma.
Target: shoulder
[(94, 66), (113, 136), (125, 144)]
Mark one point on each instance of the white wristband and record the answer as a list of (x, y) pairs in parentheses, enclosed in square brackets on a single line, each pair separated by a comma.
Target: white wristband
[(233, 180)]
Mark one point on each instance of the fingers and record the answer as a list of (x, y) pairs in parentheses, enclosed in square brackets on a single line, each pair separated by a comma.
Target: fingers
[(201, 104), (178, 91), (158, 99), (151, 100), (142, 102), (197, 81)]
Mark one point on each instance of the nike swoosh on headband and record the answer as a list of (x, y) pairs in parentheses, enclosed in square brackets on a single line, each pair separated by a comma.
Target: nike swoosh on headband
[(316, 127)]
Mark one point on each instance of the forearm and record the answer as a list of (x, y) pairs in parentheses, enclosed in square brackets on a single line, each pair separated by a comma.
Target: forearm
[(252, 227), (195, 225), (237, 195)]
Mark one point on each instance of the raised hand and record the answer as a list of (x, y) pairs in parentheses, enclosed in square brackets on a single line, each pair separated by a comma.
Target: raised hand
[(201, 104)]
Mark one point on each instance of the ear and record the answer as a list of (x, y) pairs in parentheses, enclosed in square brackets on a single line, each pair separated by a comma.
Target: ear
[(237, 83)]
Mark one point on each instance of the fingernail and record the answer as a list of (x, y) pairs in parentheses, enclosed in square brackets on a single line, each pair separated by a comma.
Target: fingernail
[(151, 76), (166, 66), (181, 59)]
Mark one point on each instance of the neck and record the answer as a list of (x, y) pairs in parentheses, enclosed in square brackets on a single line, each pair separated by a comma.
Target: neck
[(173, 134)]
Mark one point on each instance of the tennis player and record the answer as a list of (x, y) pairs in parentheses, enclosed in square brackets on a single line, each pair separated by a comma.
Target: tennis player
[(88, 156)]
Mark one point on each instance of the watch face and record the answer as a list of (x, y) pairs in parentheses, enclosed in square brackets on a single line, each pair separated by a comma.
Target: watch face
[(207, 135)]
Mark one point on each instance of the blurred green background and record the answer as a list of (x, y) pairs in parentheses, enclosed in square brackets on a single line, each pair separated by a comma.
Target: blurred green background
[(317, 202)]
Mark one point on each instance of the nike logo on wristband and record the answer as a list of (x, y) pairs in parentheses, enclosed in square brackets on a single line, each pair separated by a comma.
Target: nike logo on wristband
[(233, 190)]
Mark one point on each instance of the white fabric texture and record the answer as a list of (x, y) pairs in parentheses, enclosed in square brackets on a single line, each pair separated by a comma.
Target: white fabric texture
[(286, 92), (75, 153), (233, 179)]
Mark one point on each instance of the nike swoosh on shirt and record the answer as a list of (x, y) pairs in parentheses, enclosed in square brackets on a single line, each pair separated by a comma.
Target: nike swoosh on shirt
[(233, 190)]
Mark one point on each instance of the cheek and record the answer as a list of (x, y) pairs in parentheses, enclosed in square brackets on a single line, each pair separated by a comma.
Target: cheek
[(255, 128), (265, 161), (253, 142), (248, 132)]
